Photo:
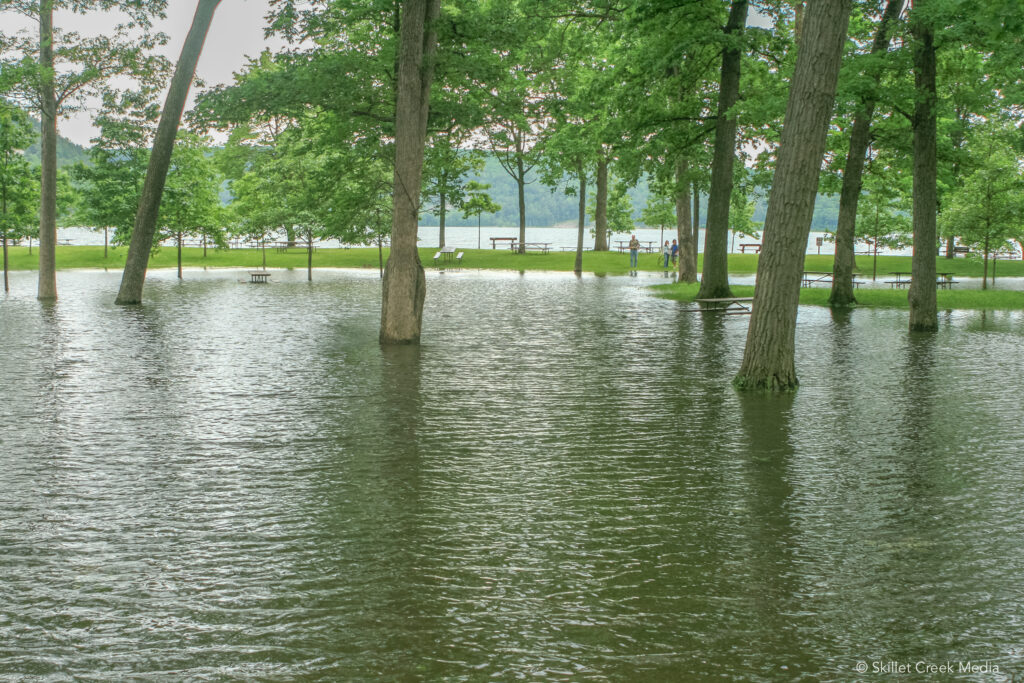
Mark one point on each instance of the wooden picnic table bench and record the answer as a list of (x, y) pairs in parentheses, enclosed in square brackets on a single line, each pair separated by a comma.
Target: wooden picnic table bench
[(816, 277), (733, 305), (495, 240), (756, 248), (543, 247), (903, 279), (259, 276)]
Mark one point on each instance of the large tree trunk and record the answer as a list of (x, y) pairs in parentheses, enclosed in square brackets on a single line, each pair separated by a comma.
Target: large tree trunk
[(924, 314), (601, 208), (684, 227), (405, 285), (845, 263), (48, 157), (144, 229), (715, 281), (696, 223), (768, 359), (521, 187), (582, 224)]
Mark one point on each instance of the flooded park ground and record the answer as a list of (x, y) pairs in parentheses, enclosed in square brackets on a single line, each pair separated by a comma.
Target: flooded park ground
[(237, 481)]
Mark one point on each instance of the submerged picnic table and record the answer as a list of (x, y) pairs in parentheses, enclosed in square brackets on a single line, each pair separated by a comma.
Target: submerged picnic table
[(903, 279), (730, 305), (259, 276), (821, 277)]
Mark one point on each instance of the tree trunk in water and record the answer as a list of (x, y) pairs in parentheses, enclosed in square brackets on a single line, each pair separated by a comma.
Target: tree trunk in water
[(696, 224), (684, 226), (521, 186), (144, 230), (7, 284), (845, 263), (984, 276), (715, 280), (179, 256), (48, 157), (924, 313), (578, 266), (405, 285), (768, 359), (601, 208)]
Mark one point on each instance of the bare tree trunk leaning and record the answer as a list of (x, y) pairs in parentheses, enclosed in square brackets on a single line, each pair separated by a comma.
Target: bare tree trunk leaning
[(768, 358), (845, 262), (48, 157), (144, 230), (924, 314), (405, 285), (715, 280), (601, 208), (684, 226)]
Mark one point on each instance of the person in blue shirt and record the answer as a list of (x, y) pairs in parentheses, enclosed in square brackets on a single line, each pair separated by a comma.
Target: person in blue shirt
[(675, 252)]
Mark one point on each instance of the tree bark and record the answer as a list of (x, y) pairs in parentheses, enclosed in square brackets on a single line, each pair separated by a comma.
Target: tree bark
[(144, 229), (582, 223), (696, 223), (924, 314), (768, 358), (684, 226), (521, 187), (860, 137), (715, 280), (405, 284), (48, 157), (601, 208)]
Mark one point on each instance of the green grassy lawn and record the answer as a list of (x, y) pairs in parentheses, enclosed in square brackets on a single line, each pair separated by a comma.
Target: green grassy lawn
[(594, 262), (69, 257)]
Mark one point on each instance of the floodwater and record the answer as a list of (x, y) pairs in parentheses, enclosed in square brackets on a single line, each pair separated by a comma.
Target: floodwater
[(236, 481)]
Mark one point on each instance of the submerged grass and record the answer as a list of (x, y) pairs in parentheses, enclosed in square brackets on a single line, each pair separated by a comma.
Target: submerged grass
[(965, 299)]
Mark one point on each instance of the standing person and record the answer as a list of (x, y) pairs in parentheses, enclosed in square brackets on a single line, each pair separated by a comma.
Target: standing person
[(675, 252), (666, 251), (634, 250)]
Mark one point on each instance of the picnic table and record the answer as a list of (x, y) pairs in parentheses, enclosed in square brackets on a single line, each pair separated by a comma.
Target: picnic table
[(756, 248), (543, 247), (285, 246), (731, 305), (624, 245), (903, 279), (510, 240), (259, 276)]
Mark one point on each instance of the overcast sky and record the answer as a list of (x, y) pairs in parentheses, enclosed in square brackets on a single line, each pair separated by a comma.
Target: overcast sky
[(236, 32)]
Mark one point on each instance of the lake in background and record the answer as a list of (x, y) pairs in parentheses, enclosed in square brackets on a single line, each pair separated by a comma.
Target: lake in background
[(237, 481), (558, 237)]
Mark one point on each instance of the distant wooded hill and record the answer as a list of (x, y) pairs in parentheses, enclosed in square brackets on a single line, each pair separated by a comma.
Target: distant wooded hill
[(68, 153)]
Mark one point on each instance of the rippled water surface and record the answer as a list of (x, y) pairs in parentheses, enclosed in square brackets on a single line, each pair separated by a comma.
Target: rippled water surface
[(236, 481)]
